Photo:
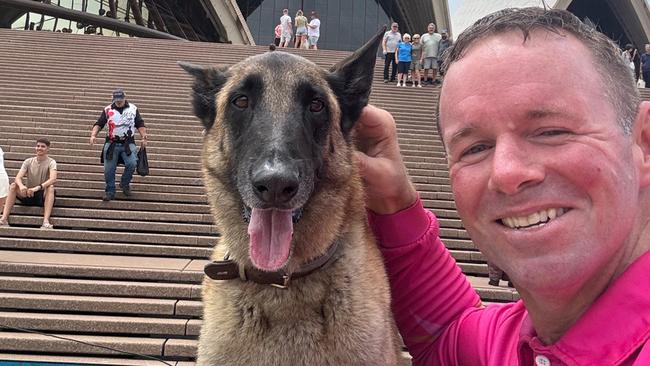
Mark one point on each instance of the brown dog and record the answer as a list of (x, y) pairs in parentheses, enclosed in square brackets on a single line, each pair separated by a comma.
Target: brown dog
[(304, 283)]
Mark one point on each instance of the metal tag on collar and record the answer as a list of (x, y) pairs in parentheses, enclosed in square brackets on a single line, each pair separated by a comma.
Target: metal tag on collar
[(286, 279)]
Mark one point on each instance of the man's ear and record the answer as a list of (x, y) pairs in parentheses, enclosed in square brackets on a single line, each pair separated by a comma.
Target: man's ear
[(208, 81), (351, 80), (641, 133)]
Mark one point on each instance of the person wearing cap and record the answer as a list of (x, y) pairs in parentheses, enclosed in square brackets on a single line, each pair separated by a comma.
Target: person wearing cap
[(123, 118), (389, 44), (445, 42)]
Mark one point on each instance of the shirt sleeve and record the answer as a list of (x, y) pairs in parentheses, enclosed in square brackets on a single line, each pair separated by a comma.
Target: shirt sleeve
[(52, 164), (25, 166), (138, 120), (102, 120), (429, 291)]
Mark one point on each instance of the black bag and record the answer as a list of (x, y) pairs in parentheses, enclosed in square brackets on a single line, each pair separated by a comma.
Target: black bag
[(143, 163)]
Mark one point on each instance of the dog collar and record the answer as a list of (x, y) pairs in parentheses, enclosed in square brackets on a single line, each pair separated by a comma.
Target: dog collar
[(228, 269)]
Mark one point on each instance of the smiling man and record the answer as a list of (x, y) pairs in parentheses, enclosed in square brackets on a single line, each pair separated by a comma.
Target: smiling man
[(549, 157)]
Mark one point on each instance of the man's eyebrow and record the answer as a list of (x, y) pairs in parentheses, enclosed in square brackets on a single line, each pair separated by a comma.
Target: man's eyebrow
[(463, 132), (542, 113)]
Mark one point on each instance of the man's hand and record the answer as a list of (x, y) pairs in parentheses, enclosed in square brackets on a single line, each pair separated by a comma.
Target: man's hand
[(93, 139), (388, 187), (23, 190), (31, 191)]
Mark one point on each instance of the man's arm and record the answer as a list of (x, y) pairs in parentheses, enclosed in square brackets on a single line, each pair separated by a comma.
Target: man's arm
[(19, 178), (101, 122), (429, 292), (142, 130)]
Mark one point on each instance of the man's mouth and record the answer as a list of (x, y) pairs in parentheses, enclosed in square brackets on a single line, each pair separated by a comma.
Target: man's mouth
[(539, 218)]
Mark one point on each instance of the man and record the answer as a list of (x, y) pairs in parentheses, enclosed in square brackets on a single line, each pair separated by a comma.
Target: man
[(430, 43), (445, 42), (550, 168), (34, 184), (313, 31), (123, 118), (645, 66), (287, 29), (391, 39)]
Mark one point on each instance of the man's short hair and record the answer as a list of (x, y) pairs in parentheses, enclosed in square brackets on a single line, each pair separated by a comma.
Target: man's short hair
[(285, 11), (616, 76), (43, 140)]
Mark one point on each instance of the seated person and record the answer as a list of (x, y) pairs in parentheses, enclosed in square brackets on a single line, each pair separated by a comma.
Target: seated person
[(34, 184)]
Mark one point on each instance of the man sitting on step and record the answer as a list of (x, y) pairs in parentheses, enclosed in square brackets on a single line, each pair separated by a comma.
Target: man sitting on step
[(34, 184), (123, 118)]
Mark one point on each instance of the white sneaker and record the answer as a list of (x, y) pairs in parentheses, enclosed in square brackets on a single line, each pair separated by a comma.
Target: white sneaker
[(413, 85), (419, 85), (397, 84)]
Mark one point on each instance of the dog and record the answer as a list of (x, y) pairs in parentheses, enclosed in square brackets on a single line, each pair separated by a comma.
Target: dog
[(303, 282)]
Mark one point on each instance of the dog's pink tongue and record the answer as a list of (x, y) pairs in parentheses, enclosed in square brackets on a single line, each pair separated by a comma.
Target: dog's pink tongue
[(270, 238)]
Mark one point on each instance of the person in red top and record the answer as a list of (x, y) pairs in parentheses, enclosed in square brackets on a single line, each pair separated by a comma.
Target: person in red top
[(548, 150)]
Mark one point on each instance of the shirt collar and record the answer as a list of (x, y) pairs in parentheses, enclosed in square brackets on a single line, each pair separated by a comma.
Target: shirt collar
[(612, 329)]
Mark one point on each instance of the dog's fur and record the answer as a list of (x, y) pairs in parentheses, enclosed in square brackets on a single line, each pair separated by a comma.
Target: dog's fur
[(340, 314)]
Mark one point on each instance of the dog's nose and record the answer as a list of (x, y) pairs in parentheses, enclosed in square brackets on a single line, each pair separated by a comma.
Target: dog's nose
[(275, 184)]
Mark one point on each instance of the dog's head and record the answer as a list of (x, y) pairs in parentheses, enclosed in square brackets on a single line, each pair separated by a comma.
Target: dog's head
[(277, 125)]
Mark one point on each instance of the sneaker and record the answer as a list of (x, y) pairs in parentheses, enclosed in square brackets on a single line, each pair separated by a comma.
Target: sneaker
[(413, 85), (493, 282), (385, 81), (420, 85), (127, 191), (397, 84), (47, 226), (108, 197), (4, 223)]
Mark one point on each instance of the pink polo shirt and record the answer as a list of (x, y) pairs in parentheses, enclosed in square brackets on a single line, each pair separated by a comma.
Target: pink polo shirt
[(442, 323)]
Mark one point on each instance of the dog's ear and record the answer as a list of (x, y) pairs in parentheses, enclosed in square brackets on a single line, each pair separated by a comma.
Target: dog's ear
[(208, 81), (351, 80)]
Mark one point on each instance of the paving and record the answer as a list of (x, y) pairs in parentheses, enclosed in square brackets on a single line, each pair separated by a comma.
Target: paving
[(126, 274)]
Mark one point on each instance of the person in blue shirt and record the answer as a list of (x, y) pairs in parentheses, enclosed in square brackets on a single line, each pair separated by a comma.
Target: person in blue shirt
[(403, 59)]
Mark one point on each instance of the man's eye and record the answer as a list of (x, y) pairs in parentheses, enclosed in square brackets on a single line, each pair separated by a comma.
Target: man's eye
[(552, 132), (475, 149), (241, 102)]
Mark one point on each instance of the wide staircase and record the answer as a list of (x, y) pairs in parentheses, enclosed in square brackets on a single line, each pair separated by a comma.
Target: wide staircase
[(126, 274)]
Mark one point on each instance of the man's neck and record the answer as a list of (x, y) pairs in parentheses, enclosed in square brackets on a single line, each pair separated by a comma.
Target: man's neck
[(41, 158)]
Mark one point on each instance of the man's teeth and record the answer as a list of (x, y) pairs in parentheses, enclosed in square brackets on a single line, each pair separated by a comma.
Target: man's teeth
[(540, 217)]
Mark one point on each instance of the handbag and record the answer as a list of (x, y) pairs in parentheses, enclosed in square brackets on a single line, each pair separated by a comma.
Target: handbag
[(143, 163), (640, 83)]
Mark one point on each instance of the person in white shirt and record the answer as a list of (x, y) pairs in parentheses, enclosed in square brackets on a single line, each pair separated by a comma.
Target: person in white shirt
[(313, 31), (287, 28)]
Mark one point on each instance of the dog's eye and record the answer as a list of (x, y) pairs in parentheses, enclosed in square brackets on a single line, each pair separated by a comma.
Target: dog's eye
[(316, 105), (241, 102)]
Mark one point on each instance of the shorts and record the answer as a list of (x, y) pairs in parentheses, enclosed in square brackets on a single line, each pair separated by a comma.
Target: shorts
[(416, 65), (4, 185), (38, 199), (285, 36), (430, 63), (301, 31), (403, 67), (313, 40)]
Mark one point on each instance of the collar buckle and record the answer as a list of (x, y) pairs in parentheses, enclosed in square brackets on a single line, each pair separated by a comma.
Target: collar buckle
[(286, 278)]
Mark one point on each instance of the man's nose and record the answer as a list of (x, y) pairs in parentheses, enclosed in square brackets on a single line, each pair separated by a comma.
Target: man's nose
[(515, 166)]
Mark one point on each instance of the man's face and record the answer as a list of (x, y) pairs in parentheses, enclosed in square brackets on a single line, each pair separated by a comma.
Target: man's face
[(394, 27), (647, 48), (120, 103), (543, 176), (431, 28), (41, 149), (444, 35)]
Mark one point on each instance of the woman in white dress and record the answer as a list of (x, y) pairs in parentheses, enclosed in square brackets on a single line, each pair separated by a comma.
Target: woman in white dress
[(4, 180)]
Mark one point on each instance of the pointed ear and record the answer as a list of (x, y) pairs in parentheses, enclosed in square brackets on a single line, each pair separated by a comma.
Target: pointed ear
[(351, 80), (208, 81)]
